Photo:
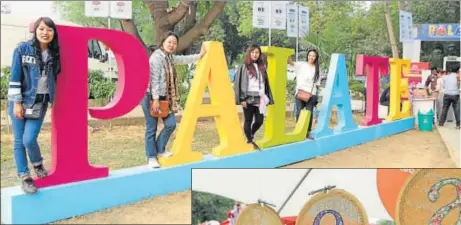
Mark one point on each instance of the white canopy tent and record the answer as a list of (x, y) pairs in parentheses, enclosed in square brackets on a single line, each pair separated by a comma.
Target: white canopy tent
[(275, 185)]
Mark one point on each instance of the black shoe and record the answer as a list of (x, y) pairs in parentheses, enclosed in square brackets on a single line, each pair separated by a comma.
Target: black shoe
[(40, 171), (255, 146), (28, 186)]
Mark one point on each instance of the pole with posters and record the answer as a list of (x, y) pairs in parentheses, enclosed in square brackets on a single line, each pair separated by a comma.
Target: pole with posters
[(297, 34), (109, 10), (270, 22)]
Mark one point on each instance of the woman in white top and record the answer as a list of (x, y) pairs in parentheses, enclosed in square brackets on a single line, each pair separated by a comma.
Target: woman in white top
[(307, 82), (252, 91)]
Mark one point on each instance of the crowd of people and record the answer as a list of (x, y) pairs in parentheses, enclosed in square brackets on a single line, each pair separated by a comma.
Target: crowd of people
[(36, 65), (445, 87)]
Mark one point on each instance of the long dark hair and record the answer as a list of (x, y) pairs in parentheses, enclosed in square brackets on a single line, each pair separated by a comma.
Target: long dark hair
[(249, 62), (53, 46), (316, 63)]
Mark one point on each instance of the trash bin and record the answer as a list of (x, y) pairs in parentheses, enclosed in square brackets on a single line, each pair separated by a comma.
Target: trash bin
[(425, 120)]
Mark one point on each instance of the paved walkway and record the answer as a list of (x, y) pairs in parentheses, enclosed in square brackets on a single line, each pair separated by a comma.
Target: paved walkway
[(451, 138)]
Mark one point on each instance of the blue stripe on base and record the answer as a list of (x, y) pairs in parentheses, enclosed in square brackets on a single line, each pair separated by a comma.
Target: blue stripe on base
[(134, 184)]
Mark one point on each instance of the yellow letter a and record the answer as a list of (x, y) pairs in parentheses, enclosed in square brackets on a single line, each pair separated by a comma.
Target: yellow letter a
[(211, 70)]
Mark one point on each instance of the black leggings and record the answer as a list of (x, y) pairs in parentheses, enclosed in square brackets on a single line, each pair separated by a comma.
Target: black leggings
[(249, 112), (309, 105)]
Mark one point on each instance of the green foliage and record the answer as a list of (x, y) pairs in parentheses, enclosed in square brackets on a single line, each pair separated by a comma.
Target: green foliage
[(385, 222), (101, 88), (4, 82), (184, 79), (291, 88), (356, 86), (206, 206)]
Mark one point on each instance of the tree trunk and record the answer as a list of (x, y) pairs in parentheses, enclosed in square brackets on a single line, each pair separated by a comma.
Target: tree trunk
[(129, 27), (202, 27), (165, 19), (390, 30), (189, 21)]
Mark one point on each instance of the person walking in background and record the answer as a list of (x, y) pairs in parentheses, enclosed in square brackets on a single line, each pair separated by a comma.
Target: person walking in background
[(252, 91), (458, 75), (431, 81), (451, 96), (439, 94), (163, 85), (307, 83), (36, 64)]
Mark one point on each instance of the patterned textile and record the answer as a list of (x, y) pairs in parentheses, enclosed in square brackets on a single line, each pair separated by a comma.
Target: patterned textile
[(173, 90)]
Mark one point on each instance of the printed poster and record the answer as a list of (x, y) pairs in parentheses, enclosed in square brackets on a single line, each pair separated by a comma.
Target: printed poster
[(97, 9), (292, 20), (303, 21), (261, 14), (278, 15), (405, 26), (120, 9)]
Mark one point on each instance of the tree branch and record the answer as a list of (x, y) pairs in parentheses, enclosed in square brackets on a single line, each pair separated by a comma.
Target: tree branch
[(202, 27), (191, 18), (179, 12), (130, 27)]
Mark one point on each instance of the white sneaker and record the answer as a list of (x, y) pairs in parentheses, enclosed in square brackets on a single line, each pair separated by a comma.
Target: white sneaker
[(166, 154), (153, 163)]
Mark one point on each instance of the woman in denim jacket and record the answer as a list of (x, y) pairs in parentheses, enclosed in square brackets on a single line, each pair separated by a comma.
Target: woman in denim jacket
[(162, 66), (35, 66)]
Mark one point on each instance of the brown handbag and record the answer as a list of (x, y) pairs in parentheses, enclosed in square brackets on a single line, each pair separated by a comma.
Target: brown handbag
[(303, 95), (164, 105)]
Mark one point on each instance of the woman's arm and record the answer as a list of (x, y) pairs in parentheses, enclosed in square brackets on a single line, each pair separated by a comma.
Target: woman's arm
[(14, 89), (187, 59), (156, 68)]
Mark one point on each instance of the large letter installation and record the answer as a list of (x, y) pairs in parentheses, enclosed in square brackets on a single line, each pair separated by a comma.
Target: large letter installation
[(69, 149), (211, 70), (372, 67), (274, 132), (337, 93)]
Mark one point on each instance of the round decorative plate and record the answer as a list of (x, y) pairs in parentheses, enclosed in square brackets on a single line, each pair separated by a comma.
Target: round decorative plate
[(255, 214), (430, 197), (336, 207)]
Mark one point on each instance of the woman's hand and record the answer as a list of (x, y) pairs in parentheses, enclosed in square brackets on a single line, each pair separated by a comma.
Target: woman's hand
[(244, 105), (18, 110), (202, 50), (155, 107)]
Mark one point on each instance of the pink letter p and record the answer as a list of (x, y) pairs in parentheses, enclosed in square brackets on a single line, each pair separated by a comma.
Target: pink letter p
[(69, 149)]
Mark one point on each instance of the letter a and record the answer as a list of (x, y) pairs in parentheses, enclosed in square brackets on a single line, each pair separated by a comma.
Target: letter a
[(274, 130), (399, 89), (339, 96), (69, 139), (211, 70)]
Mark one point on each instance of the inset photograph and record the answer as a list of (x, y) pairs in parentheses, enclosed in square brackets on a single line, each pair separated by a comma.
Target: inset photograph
[(326, 196)]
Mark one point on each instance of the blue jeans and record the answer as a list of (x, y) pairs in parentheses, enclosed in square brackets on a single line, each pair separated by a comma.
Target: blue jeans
[(25, 132), (154, 144)]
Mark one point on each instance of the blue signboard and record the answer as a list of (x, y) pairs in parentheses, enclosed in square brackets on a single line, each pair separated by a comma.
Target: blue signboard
[(438, 32)]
